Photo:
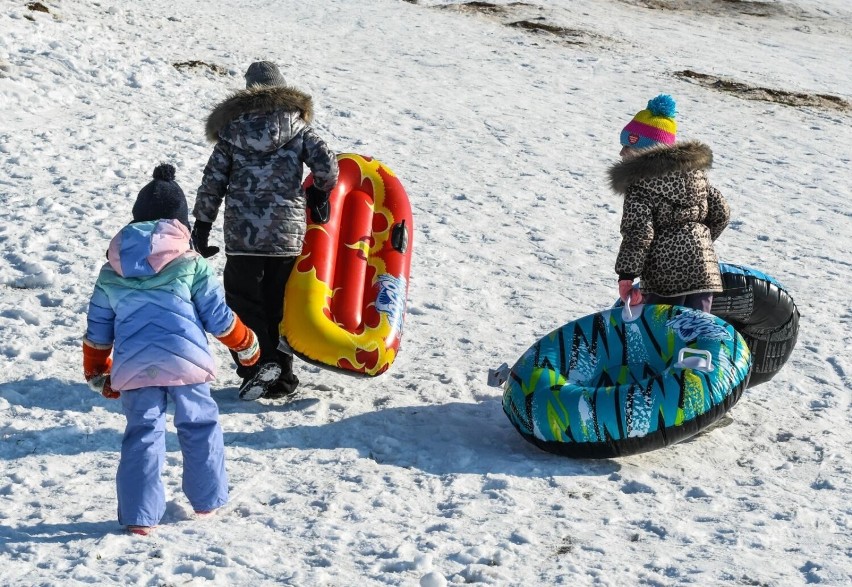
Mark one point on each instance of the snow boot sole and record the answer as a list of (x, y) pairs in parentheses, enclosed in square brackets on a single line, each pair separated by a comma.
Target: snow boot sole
[(257, 386)]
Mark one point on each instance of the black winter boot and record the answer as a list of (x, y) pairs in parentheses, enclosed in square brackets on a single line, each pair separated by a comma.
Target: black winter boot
[(286, 384), (258, 386)]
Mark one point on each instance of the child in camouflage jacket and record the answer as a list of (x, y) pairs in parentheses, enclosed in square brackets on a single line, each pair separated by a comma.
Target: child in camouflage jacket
[(262, 138)]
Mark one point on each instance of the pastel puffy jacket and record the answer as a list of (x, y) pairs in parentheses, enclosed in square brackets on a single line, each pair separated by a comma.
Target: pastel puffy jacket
[(154, 300)]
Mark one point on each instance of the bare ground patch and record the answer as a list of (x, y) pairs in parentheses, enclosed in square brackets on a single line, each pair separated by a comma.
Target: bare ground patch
[(486, 8), (38, 7), (721, 7), (527, 17), (802, 20), (195, 64), (823, 101), (570, 36)]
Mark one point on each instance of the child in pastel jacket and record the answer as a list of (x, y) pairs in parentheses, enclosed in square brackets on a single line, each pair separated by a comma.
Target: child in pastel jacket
[(153, 302), (672, 215)]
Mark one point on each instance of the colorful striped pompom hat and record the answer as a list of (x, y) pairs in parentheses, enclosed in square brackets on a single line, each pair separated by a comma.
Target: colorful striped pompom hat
[(652, 126)]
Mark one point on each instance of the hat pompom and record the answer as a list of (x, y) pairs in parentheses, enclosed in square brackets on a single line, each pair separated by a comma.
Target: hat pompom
[(662, 105), (164, 172)]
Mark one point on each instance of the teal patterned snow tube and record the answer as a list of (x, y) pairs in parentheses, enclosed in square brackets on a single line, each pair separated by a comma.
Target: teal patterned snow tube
[(610, 385)]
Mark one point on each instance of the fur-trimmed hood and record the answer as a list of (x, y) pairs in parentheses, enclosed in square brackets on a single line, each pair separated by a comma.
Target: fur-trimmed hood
[(660, 161), (258, 100)]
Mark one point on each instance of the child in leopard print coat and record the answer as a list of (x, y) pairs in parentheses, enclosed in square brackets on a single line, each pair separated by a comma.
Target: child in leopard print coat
[(671, 213)]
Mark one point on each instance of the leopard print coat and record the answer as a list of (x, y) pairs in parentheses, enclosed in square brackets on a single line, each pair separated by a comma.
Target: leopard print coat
[(671, 217)]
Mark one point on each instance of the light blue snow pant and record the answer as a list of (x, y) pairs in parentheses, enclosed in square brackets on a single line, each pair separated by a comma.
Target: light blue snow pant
[(141, 495)]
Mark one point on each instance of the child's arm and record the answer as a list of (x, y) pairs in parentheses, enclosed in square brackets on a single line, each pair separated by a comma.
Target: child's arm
[(320, 159), (243, 341), (96, 367), (637, 231), (97, 344), (100, 319), (718, 213), (214, 183), (218, 319)]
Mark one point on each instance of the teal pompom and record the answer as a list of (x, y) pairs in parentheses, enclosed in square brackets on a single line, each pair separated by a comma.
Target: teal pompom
[(662, 105)]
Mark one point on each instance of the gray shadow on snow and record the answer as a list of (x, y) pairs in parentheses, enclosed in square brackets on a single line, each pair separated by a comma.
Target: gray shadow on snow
[(438, 439), (30, 398), (74, 531), (57, 533), (55, 394)]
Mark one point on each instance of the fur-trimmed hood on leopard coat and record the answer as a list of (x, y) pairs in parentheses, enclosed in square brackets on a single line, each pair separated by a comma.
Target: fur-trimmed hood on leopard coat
[(671, 217)]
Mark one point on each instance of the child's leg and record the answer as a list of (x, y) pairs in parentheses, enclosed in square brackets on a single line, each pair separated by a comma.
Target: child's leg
[(275, 278), (698, 301), (277, 273), (242, 278), (141, 496), (205, 481)]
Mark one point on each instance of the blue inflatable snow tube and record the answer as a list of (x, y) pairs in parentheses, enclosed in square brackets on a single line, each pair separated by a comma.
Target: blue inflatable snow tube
[(610, 385)]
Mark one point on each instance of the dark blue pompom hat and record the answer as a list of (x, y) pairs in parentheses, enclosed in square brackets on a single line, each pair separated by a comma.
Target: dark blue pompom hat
[(162, 198)]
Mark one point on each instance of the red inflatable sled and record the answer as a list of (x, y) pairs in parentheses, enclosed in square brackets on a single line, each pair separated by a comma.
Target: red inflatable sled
[(344, 304)]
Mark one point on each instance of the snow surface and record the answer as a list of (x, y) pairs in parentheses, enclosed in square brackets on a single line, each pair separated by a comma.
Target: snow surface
[(502, 137)]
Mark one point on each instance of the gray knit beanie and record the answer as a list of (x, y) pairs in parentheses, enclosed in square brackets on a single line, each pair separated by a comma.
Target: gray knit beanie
[(264, 73)]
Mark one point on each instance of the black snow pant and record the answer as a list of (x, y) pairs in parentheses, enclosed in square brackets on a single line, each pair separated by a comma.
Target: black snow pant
[(254, 289), (699, 301)]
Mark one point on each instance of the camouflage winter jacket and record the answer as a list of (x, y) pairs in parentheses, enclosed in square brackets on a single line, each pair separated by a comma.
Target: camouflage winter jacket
[(671, 217), (263, 138)]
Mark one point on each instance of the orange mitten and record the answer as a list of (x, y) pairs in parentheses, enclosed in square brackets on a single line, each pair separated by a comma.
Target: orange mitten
[(242, 340), (96, 366)]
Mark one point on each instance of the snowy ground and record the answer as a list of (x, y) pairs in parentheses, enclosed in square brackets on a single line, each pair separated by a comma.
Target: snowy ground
[(501, 136)]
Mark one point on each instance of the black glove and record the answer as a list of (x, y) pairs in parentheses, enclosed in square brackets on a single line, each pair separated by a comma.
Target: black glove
[(200, 235), (318, 205)]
